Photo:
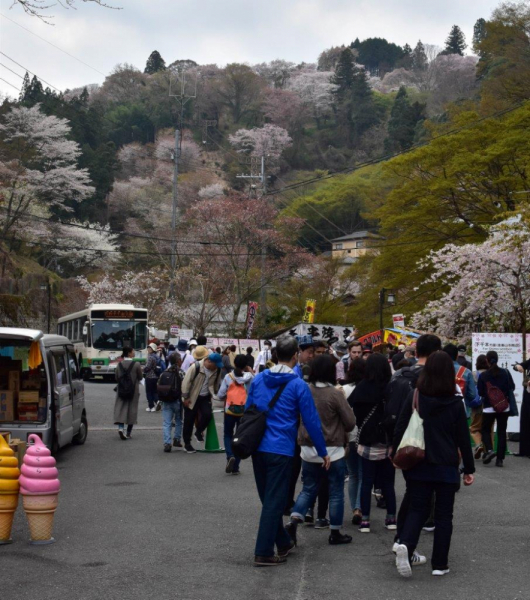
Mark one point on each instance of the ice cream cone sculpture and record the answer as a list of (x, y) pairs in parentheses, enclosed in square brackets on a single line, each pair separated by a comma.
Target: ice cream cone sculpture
[(39, 487), (9, 486)]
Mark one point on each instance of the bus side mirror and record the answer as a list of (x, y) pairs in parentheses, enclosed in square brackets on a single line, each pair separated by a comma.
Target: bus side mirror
[(85, 330)]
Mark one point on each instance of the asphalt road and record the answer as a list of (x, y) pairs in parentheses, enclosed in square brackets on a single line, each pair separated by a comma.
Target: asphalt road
[(134, 522)]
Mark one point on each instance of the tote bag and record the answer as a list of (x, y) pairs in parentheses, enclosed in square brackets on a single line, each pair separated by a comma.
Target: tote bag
[(411, 451)]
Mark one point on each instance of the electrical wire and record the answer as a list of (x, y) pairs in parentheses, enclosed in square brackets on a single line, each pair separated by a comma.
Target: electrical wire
[(22, 67), (13, 86), (14, 72), (50, 43)]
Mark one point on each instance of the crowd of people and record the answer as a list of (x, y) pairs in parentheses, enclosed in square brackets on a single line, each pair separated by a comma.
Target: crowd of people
[(336, 415)]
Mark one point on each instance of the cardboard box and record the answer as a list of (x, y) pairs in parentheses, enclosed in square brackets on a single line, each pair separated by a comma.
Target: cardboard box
[(31, 380), (6, 435), (43, 402), (28, 397), (19, 448), (7, 406), (14, 381)]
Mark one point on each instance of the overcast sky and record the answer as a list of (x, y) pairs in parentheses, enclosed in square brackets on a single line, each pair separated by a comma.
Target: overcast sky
[(215, 31)]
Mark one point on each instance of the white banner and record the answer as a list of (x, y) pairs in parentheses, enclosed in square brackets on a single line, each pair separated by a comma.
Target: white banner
[(509, 347), (322, 332)]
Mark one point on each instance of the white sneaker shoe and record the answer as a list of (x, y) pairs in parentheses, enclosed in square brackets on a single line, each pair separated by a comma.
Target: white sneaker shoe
[(417, 559), (402, 561), (395, 547), (147, 409), (440, 572)]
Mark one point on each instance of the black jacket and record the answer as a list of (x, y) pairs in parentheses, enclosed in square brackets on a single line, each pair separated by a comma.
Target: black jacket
[(366, 396), (398, 391), (445, 429)]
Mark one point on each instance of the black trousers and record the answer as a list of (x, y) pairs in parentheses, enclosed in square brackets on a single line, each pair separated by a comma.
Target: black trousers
[(420, 497), (323, 497), (202, 408), (404, 511), (524, 438), (502, 424), (295, 474)]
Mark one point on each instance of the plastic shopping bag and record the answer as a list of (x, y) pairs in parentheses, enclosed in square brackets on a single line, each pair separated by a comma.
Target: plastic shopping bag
[(411, 451)]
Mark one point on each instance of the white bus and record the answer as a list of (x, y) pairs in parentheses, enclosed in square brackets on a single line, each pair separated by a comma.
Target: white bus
[(101, 332)]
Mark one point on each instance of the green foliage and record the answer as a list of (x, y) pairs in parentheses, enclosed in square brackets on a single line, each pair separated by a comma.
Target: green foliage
[(456, 42), (419, 57), (403, 122), (155, 63), (378, 55)]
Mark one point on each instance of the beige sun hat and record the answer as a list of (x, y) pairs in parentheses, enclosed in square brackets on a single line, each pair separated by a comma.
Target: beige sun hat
[(200, 352)]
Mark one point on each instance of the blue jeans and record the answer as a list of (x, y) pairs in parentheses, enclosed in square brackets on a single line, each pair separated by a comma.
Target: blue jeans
[(150, 391), (272, 473), (313, 474), (386, 473), (231, 425), (172, 410), (355, 471)]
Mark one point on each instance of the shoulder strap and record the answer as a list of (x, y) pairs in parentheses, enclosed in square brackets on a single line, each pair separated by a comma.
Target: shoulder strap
[(197, 369), (416, 401), (460, 372), (277, 395)]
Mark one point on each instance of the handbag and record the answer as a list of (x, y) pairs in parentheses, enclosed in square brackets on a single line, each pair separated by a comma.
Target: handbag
[(497, 398), (252, 428), (411, 450)]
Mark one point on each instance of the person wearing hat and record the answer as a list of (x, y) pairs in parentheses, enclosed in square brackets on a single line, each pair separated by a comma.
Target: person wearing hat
[(305, 356), (398, 356), (188, 359), (461, 358), (201, 383), (151, 377)]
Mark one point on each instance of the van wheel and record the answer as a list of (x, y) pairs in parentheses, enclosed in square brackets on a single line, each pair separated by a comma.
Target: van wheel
[(80, 437)]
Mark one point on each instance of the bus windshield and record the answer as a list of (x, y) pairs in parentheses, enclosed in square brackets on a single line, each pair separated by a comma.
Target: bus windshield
[(116, 335)]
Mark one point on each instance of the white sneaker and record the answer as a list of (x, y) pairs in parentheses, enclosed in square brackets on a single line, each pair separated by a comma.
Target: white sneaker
[(147, 409), (440, 572), (402, 561), (153, 409), (417, 559), (395, 547)]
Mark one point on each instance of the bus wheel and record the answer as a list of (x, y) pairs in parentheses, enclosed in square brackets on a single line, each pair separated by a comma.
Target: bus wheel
[(80, 437)]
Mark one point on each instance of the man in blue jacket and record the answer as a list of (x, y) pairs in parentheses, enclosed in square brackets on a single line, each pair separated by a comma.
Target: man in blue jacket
[(463, 377), (273, 462)]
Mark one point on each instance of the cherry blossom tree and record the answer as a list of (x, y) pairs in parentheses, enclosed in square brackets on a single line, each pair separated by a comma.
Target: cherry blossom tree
[(285, 109), (315, 90), (214, 190), (39, 8), (486, 283), (269, 140), (277, 72)]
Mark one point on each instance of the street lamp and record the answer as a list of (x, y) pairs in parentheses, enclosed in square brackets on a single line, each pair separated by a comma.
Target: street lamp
[(387, 297), (48, 288)]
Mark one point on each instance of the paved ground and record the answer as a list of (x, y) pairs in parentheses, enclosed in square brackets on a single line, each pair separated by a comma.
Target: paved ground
[(134, 522)]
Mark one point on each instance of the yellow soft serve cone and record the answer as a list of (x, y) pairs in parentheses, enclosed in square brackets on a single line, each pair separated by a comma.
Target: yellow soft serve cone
[(9, 487)]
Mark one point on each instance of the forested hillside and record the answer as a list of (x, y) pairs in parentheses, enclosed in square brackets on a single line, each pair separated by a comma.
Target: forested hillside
[(424, 145)]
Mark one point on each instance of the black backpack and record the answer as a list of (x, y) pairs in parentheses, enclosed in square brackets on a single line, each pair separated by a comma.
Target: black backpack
[(169, 386), (398, 391), (252, 428), (126, 386)]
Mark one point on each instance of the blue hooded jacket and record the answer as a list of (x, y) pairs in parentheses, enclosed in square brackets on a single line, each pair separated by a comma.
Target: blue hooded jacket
[(282, 420)]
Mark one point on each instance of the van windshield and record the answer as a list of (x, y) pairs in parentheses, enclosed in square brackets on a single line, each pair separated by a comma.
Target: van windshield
[(23, 382), (116, 335)]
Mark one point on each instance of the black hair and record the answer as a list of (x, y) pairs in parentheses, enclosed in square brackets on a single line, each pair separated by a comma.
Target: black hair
[(320, 344), (377, 369), (240, 362), (402, 363), (427, 344), (482, 363), (126, 352), (250, 350), (218, 350), (437, 378), (201, 340), (174, 358), (171, 347), (233, 348), (452, 350), (493, 360), (323, 369), (356, 371)]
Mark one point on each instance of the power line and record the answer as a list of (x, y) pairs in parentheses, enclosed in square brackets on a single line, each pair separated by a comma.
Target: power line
[(388, 157), (14, 72), (13, 86), (26, 69), (44, 40)]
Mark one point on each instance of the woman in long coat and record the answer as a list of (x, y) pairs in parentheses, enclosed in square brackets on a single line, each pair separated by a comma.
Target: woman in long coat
[(126, 411)]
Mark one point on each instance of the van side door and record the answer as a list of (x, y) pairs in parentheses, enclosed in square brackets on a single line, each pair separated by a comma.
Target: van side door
[(63, 396), (77, 387)]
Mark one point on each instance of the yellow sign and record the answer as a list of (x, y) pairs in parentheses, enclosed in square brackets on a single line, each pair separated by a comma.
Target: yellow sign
[(309, 315)]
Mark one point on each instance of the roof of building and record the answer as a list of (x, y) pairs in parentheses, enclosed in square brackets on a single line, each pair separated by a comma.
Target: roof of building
[(358, 235)]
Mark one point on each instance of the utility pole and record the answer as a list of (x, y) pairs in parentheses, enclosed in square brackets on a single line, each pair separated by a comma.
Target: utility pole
[(183, 98), (205, 124), (261, 176)]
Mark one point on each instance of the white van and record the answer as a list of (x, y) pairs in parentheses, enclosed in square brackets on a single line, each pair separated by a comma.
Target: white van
[(41, 390)]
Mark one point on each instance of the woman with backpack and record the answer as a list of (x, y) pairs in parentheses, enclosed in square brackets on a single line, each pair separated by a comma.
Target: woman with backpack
[(169, 389), (368, 402), (151, 377), (495, 387), (447, 438), (128, 375), (234, 390)]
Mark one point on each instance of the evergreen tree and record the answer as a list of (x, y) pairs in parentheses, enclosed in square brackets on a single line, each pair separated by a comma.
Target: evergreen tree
[(25, 87), (363, 112), (407, 61), (419, 57), (404, 118), (355, 45), (344, 73), (155, 63), (33, 93), (479, 33), (456, 42)]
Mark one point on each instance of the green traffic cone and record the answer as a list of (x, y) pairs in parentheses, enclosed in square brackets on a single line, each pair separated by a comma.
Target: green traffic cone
[(212, 440), (496, 442)]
